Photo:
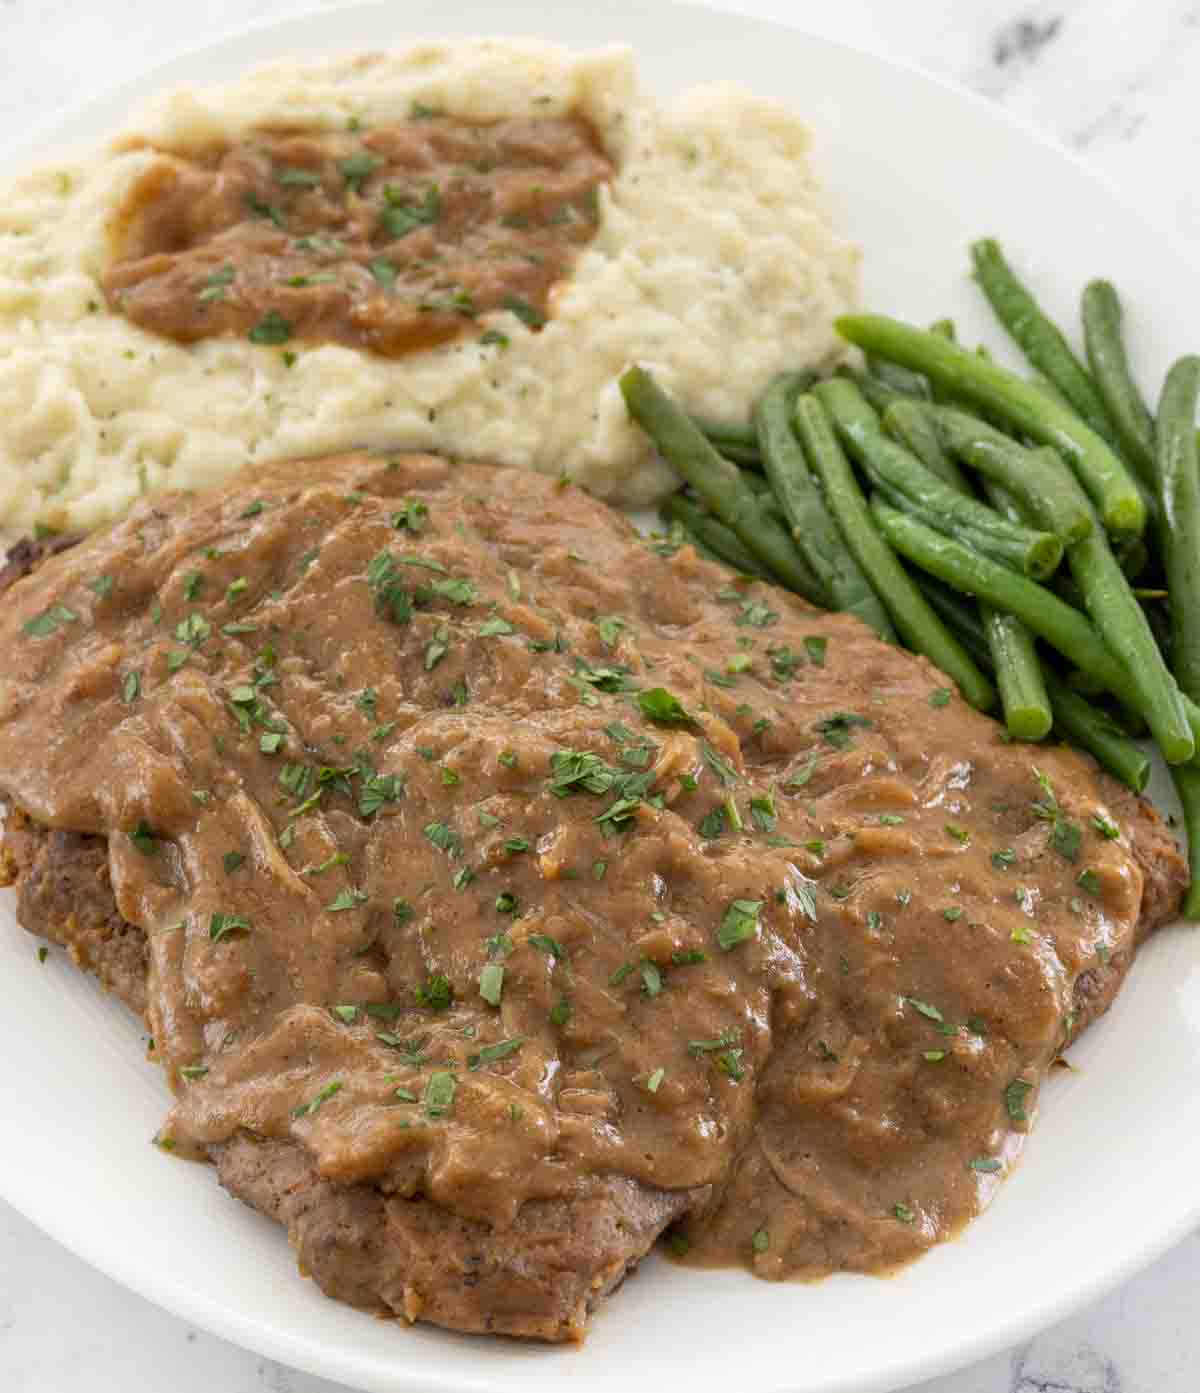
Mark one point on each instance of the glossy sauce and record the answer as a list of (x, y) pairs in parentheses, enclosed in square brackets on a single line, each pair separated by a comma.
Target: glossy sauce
[(483, 847), (391, 240)]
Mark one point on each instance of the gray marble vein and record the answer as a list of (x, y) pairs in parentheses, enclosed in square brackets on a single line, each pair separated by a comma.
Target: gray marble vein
[(1117, 81)]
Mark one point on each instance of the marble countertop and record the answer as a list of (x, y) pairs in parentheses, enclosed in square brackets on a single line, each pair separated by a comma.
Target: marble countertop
[(1113, 80)]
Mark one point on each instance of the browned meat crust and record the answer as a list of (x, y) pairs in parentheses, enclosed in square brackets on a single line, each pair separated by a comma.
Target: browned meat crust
[(1165, 877), (64, 893), (25, 555), (404, 1256)]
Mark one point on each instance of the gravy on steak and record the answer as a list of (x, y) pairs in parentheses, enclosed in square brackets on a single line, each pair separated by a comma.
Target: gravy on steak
[(488, 854), (392, 239)]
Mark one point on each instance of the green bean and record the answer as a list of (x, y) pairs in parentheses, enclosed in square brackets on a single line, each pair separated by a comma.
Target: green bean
[(719, 483), (1126, 630), (876, 393), (1035, 554), (1074, 718), (1173, 721), (1011, 647), (720, 432), (1131, 722), (1178, 471), (714, 536), (1117, 610), (988, 385), (1092, 730), (1049, 617), (1039, 338), (959, 615), (814, 531), (1043, 384), (1034, 477), (1023, 696), (916, 622), (1133, 556), (899, 379), (740, 454), (1187, 786), (1110, 369), (892, 468), (911, 425)]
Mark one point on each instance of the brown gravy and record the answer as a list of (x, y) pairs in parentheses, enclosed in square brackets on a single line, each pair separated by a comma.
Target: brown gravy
[(391, 240), (483, 849)]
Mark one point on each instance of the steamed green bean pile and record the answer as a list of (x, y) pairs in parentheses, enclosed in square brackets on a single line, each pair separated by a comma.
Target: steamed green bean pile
[(994, 522)]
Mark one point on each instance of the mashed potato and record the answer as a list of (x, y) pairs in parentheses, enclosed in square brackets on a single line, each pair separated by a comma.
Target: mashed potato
[(715, 263)]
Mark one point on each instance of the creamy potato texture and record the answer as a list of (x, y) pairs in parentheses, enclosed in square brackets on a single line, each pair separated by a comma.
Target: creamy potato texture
[(715, 263)]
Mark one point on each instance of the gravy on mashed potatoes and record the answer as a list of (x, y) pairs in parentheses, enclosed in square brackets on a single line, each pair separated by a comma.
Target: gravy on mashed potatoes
[(392, 239), (711, 231)]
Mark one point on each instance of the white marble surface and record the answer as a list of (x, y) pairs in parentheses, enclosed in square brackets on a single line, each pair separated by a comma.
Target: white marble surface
[(1115, 80)]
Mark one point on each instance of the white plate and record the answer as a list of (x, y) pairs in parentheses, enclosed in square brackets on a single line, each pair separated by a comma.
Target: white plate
[(917, 170)]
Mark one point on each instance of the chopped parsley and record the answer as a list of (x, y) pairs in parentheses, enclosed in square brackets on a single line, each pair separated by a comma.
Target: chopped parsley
[(145, 838), (272, 328), (1088, 880), (547, 945), (265, 210), (491, 983), (739, 924), (836, 728), (985, 1165), (331, 1090), (378, 789), (801, 776), (490, 1054), (444, 837), (346, 899), (572, 770), (357, 167), (560, 1012), (49, 621), (1014, 1099), (221, 925), (399, 219), (652, 982), (657, 704), (528, 314), (216, 282), (439, 1093), (923, 1008), (719, 765), (436, 994), (610, 627)]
